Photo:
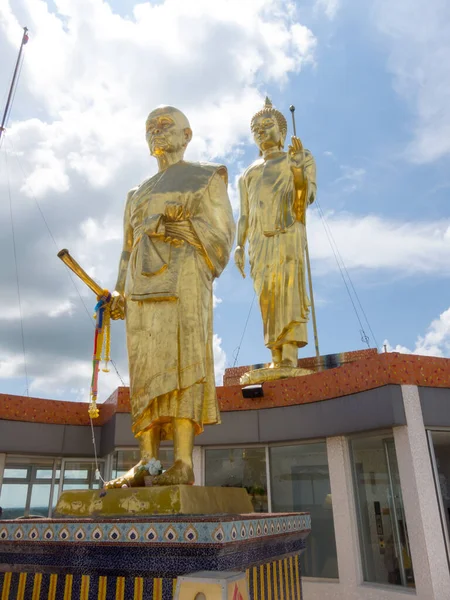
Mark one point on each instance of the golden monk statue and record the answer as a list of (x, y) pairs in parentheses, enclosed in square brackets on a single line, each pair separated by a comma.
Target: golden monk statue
[(274, 194), (178, 234)]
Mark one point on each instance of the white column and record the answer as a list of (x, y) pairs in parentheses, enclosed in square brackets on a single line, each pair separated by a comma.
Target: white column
[(344, 516), (197, 459), (421, 506)]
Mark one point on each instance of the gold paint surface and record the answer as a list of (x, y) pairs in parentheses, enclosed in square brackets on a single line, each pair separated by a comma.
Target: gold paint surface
[(272, 374), (147, 501), (274, 194), (178, 234)]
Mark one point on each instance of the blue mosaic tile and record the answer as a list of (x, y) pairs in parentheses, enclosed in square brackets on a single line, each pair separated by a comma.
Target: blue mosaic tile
[(222, 530)]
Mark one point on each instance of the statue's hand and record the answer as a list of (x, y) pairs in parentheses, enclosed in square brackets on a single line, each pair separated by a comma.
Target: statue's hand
[(174, 211), (239, 259), (117, 307), (296, 153)]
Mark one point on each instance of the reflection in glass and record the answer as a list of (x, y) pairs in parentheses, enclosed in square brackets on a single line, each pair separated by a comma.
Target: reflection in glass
[(40, 498), (441, 447), (124, 460), (44, 473), (19, 473), (13, 500), (80, 475), (239, 467), (300, 481), (382, 524)]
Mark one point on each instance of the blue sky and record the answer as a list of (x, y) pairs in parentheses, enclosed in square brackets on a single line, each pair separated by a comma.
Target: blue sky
[(371, 86)]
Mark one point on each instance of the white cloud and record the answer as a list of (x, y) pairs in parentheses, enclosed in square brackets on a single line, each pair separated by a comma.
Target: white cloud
[(329, 7), (220, 359), (435, 342), (352, 178), (85, 66), (374, 242), (419, 58)]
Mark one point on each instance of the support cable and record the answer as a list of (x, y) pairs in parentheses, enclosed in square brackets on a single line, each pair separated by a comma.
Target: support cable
[(17, 277), (238, 349), (344, 272)]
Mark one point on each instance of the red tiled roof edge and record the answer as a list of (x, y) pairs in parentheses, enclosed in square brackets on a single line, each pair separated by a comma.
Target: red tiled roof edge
[(358, 376)]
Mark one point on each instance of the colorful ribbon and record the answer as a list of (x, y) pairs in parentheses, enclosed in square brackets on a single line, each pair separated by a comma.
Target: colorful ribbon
[(102, 345)]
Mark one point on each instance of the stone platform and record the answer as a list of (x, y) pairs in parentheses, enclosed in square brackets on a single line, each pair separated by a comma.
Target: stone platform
[(124, 559), (147, 501)]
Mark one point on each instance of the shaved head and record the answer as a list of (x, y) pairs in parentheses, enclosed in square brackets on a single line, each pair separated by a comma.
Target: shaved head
[(180, 118)]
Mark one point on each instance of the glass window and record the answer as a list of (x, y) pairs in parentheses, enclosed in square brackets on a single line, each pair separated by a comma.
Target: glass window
[(19, 473), (440, 441), (381, 518), (32, 489), (300, 481), (80, 475), (124, 460), (40, 498), (13, 499), (239, 467)]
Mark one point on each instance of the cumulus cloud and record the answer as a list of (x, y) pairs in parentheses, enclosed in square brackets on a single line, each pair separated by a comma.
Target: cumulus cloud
[(374, 242), (220, 359), (329, 7), (418, 45), (435, 341)]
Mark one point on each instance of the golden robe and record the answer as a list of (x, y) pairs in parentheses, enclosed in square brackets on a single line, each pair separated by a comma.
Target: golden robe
[(277, 238), (168, 293)]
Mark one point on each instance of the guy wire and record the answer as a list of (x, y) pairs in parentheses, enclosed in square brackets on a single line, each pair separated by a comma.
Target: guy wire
[(339, 260), (17, 276)]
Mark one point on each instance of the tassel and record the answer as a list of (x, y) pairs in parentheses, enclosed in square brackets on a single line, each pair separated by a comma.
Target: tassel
[(102, 345)]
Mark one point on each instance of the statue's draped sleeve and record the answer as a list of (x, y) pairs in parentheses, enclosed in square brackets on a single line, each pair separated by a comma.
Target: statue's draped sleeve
[(128, 240), (214, 226)]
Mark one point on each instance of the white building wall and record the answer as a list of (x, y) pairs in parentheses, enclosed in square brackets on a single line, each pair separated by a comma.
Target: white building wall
[(426, 537)]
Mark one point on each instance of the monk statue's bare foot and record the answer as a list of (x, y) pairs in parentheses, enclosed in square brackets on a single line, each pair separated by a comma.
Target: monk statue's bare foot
[(179, 473), (134, 477)]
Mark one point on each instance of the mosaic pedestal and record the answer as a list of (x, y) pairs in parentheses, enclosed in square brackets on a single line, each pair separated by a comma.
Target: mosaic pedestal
[(124, 559)]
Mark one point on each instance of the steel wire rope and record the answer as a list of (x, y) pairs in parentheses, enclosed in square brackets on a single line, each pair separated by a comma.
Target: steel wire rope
[(17, 276), (348, 275), (8, 114), (364, 337)]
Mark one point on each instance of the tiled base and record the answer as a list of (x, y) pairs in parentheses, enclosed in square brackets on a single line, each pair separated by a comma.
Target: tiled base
[(271, 580), (136, 559)]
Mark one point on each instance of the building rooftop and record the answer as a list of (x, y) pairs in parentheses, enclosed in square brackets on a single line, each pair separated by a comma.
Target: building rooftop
[(340, 375)]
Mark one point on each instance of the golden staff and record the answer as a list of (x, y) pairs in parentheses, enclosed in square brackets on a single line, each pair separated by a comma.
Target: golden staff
[(308, 268), (70, 262)]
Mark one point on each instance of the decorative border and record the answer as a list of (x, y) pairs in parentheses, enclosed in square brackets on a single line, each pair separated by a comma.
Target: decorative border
[(174, 532)]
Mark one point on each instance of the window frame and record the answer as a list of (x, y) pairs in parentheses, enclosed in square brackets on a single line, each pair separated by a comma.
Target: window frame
[(437, 486), (384, 434), (33, 464)]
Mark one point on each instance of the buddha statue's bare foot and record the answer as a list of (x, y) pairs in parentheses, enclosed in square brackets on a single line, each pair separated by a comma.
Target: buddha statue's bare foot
[(179, 473), (134, 478)]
